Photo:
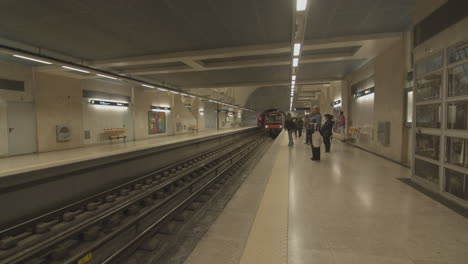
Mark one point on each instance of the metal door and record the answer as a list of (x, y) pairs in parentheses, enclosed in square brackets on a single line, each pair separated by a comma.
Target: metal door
[(21, 128)]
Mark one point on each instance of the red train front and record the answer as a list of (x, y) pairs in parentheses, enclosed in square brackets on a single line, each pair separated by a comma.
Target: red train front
[(272, 121)]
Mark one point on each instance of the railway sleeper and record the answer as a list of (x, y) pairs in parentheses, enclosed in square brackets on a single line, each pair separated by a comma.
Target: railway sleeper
[(104, 202)]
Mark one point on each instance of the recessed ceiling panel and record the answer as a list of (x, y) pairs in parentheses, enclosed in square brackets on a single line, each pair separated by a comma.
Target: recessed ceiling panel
[(94, 29), (244, 75), (338, 18), (323, 70), (350, 50)]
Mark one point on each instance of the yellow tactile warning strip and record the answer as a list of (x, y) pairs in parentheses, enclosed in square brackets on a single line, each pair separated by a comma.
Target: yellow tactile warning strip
[(268, 238)]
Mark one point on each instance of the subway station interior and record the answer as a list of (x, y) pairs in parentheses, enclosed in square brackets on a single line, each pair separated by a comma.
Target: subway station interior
[(222, 131)]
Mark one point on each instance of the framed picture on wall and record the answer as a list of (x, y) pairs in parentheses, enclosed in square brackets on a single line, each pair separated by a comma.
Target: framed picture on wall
[(156, 122)]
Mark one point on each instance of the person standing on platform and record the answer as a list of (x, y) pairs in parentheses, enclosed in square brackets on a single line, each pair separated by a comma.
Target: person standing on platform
[(299, 125), (289, 125), (308, 129), (295, 127), (327, 131), (316, 142), (316, 137), (342, 125)]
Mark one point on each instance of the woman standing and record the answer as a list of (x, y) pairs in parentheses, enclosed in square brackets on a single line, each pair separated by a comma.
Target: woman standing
[(327, 129), (290, 126), (315, 122)]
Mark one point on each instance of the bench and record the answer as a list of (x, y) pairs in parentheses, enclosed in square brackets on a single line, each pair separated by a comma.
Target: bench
[(115, 133), (193, 129)]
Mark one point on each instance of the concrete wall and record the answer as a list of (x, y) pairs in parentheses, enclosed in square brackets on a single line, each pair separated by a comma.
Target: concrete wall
[(389, 72), (198, 111), (183, 117), (269, 97), (210, 115), (143, 100), (58, 102), (17, 72), (425, 8), (3, 128)]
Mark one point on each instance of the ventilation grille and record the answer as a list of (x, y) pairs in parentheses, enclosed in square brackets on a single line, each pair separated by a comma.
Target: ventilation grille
[(11, 85)]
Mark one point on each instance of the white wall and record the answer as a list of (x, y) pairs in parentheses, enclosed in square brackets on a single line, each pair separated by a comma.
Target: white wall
[(362, 112), (58, 102), (3, 128), (17, 72), (97, 118), (182, 116), (143, 100), (389, 71)]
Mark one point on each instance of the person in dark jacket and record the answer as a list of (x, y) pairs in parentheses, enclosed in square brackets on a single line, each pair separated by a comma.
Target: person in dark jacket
[(308, 129), (290, 126), (327, 129), (299, 125)]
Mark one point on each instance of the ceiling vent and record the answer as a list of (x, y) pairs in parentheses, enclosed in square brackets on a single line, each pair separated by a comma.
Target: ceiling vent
[(11, 85)]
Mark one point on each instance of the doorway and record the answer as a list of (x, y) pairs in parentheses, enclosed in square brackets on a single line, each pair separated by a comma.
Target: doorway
[(21, 128)]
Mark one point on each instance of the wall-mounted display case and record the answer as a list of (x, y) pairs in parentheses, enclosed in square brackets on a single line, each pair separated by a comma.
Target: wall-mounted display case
[(428, 146), (440, 153), (457, 114), (457, 52), (428, 116), (426, 170), (456, 151), (430, 64), (429, 87), (457, 80), (456, 183)]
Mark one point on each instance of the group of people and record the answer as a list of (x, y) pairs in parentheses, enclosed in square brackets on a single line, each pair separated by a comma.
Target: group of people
[(316, 132)]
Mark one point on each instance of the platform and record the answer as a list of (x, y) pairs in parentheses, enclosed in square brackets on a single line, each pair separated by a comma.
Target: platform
[(37, 161), (350, 207)]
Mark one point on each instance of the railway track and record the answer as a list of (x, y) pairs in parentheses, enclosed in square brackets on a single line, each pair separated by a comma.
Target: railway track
[(129, 220)]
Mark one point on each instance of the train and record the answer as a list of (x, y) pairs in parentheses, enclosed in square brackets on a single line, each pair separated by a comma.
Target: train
[(272, 121)]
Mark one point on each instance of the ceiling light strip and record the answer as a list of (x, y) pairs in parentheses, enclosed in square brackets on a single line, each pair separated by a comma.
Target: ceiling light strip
[(75, 69), (31, 59), (105, 76)]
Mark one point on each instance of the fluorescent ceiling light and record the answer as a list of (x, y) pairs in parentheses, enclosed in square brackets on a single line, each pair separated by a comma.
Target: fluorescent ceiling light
[(174, 92), (297, 49), (294, 77), (32, 59), (75, 69), (295, 62), (293, 82), (162, 89), (105, 76), (292, 86), (301, 5), (149, 86)]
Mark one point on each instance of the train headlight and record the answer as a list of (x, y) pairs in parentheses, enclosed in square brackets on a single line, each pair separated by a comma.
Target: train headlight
[(266, 126), (281, 126)]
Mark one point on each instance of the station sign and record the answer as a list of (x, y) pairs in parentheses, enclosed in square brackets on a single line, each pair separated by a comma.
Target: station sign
[(107, 103), (160, 108), (337, 102), (364, 92)]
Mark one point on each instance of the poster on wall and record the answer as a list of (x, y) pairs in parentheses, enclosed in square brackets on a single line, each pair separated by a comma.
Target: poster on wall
[(63, 133), (156, 122)]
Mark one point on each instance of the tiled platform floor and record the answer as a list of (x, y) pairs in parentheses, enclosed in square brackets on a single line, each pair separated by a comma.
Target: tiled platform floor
[(348, 208)]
